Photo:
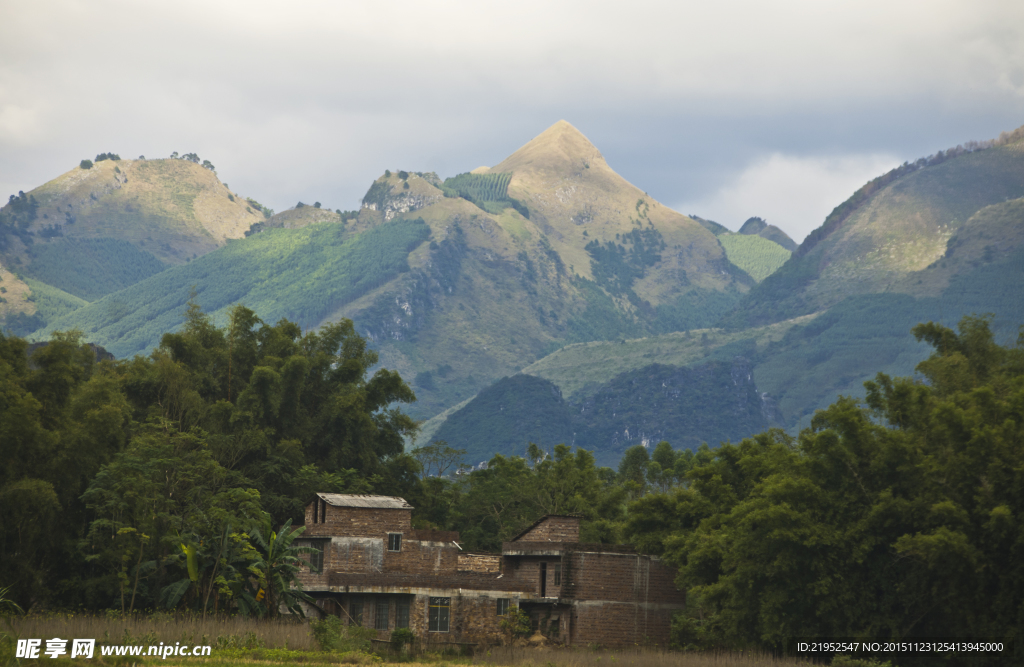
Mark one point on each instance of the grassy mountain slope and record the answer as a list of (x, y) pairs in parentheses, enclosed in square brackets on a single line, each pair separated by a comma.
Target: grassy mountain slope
[(758, 227), (91, 232), (897, 225), (297, 274), (173, 209), (756, 255)]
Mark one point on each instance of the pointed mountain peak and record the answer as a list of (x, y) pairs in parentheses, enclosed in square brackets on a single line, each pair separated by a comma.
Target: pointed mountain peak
[(556, 148)]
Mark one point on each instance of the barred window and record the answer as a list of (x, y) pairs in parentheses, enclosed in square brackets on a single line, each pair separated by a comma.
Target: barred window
[(316, 557), (402, 614), (355, 610), (503, 604), (382, 609), (439, 614), (394, 541)]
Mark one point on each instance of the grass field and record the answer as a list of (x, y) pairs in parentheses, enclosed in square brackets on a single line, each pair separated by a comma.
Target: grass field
[(239, 641)]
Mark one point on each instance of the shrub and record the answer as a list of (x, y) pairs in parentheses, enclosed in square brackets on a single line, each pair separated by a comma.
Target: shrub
[(332, 635), (402, 637), (85, 164), (316, 204)]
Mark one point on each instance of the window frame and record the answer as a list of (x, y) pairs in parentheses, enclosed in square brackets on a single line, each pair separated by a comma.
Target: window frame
[(316, 557), (378, 607), (394, 540), (355, 612), (439, 613), (402, 609), (504, 604)]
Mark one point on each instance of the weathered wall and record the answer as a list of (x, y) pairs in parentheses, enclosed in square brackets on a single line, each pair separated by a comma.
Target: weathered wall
[(553, 529), (358, 521), (489, 563), (526, 571), (474, 616)]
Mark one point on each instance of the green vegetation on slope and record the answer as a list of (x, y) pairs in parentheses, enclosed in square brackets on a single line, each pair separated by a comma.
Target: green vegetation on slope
[(302, 275), (710, 402), (51, 304), (488, 191), (579, 369), (896, 224), (756, 255), (508, 415), (91, 267)]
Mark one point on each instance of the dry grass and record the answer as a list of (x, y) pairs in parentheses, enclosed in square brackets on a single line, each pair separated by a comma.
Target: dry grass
[(219, 632)]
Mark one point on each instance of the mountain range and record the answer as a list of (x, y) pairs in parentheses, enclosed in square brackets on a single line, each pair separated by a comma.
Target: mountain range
[(546, 298)]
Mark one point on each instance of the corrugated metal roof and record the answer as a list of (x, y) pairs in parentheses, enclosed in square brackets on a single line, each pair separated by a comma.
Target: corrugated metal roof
[(377, 502)]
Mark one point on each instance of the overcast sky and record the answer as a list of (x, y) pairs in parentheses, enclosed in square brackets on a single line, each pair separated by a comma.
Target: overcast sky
[(723, 109)]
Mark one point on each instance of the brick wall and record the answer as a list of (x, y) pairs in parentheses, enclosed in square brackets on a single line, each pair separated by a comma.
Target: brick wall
[(620, 577), (474, 616), (526, 571), (357, 521), (553, 529), (479, 563), (621, 624), (422, 557)]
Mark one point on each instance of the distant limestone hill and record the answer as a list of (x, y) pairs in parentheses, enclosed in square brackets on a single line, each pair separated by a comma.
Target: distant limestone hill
[(889, 234), (549, 247), (96, 230)]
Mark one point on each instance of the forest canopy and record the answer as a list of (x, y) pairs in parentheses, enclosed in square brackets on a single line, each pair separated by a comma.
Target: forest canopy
[(154, 483)]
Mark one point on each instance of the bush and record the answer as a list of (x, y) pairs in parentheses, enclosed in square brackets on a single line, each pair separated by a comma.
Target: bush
[(85, 164), (332, 635), (402, 637), (316, 204)]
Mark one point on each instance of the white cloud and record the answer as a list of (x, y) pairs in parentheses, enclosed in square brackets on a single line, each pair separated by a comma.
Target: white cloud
[(792, 192)]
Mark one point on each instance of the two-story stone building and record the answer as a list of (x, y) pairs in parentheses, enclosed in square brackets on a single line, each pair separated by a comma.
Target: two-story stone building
[(372, 568)]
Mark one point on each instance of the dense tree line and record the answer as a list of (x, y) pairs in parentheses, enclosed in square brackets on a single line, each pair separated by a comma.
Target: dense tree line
[(123, 480), (155, 482)]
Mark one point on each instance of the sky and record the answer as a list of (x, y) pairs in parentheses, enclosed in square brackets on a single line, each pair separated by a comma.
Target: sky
[(725, 110)]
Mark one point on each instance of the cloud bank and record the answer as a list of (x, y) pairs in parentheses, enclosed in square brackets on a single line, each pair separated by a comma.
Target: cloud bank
[(690, 101)]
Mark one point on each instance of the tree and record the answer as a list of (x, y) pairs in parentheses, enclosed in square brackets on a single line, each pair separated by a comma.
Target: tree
[(278, 567), (85, 164), (892, 520)]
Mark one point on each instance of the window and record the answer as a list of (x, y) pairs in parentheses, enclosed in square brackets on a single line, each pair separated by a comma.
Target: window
[(558, 575), (316, 557), (402, 614), (355, 611), (383, 610), (394, 541), (503, 606), (439, 614)]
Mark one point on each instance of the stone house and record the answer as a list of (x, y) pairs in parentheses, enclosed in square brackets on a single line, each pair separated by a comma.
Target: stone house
[(372, 568)]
